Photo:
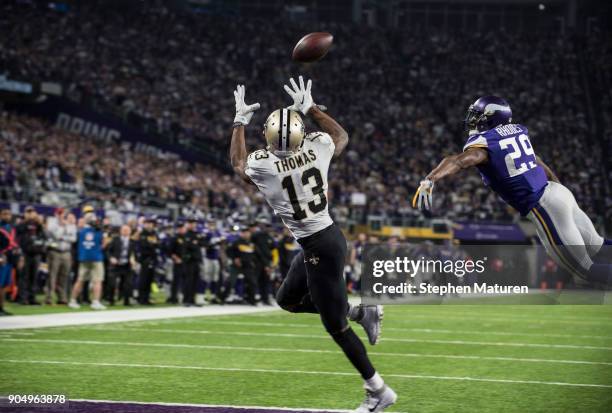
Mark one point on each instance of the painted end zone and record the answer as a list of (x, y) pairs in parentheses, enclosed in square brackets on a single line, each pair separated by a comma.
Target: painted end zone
[(108, 406)]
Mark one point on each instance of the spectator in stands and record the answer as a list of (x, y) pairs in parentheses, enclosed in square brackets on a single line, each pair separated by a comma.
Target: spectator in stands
[(121, 255), (110, 173), (62, 233), (91, 259), (31, 238)]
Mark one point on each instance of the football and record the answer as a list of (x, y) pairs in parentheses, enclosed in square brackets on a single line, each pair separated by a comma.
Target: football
[(312, 47)]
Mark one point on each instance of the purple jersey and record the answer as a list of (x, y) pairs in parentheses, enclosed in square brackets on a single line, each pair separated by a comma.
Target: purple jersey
[(213, 244), (512, 171)]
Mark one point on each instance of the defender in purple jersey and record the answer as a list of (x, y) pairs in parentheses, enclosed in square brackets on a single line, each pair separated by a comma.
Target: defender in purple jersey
[(502, 152)]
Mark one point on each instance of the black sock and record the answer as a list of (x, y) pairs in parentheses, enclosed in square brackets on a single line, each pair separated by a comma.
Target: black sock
[(355, 351)]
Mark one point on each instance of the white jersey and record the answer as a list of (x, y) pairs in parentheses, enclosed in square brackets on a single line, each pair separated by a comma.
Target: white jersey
[(296, 186)]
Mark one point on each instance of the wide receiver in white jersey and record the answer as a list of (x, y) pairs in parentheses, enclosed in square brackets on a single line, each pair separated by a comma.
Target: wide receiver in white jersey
[(291, 173)]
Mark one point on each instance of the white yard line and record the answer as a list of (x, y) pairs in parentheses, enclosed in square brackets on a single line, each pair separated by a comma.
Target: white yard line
[(384, 339), (304, 372), (415, 330), (453, 312), (116, 316), (296, 350), (484, 319)]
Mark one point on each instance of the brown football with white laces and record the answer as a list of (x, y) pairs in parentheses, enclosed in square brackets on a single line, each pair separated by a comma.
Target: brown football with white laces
[(312, 47)]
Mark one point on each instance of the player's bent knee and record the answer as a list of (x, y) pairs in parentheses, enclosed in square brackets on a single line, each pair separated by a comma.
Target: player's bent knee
[(286, 303), (291, 307)]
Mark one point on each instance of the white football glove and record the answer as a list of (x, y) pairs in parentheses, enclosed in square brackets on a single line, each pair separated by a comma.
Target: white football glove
[(302, 99), (244, 112), (423, 197)]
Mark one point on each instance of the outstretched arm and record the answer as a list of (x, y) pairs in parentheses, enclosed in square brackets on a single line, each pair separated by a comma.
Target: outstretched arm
[(330, 126), (549, 173), (303, 102), (449, 166), (455, 163), (238, 152)]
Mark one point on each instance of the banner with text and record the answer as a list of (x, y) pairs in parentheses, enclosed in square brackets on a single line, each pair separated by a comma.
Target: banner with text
[(85, 121)]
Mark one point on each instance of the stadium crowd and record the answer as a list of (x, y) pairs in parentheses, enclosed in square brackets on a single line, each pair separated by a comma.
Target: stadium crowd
[(402, 95), (87, 260), (64, 260), (599, 51), (37, 159)]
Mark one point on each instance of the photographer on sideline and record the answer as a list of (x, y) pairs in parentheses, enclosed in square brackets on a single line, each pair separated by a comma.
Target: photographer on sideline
[(91, 259)]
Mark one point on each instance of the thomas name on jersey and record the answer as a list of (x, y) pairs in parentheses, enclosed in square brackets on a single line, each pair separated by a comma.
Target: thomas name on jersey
[(295, 161)]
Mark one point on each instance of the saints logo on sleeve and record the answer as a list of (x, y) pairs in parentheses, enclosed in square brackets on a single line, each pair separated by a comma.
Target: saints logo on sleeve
[(296, 186)]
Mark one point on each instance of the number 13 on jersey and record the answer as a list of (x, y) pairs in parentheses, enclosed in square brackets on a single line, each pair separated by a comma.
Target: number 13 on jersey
[(311, 180)]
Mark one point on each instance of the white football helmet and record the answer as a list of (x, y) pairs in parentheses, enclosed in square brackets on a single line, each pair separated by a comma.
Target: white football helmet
[(284, 132)]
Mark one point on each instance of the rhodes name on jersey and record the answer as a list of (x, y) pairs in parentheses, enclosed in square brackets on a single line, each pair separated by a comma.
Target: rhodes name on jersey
[(296, 186), (512, 170)]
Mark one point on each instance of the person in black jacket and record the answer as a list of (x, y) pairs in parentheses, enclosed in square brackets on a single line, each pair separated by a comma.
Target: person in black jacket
[(31, 238), (192, 258), (148, 251), (121, 252), (177, 252), (262, 270)]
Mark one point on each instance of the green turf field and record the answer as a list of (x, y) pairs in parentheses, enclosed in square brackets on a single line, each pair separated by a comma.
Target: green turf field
[(437, 358)]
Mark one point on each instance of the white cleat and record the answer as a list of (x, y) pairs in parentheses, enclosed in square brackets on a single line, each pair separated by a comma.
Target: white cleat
[(377, 401), (371, 321), (74, 305), (97, 305)]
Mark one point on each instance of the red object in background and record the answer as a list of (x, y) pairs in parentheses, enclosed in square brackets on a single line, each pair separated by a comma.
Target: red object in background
[(497, 265), (550, 265)]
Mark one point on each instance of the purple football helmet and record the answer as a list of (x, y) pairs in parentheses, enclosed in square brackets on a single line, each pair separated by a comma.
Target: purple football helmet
[(487, 113)]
